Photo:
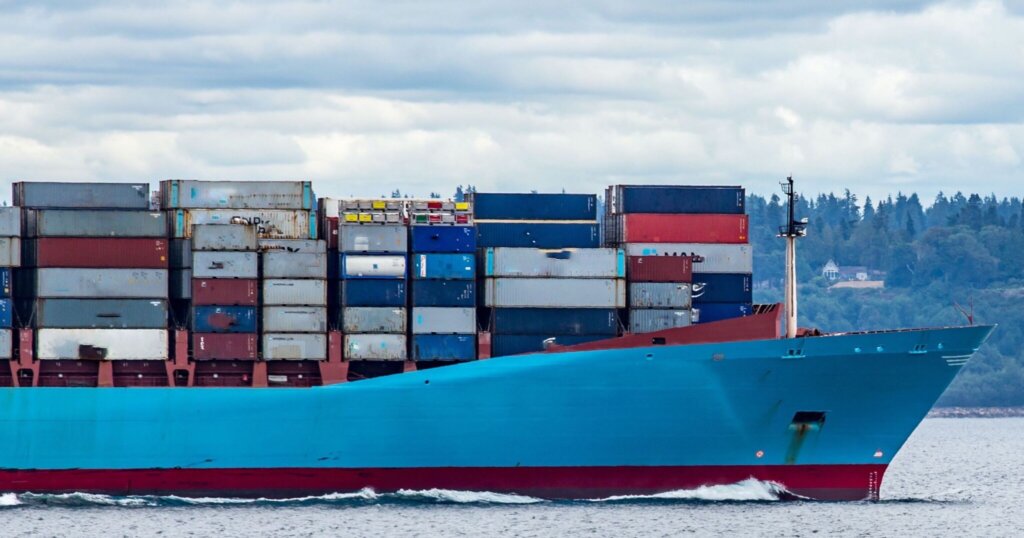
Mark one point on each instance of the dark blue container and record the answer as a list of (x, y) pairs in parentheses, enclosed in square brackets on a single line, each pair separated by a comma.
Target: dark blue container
[(520, 206), (6, 313), (723, 288), (444, 347), (373, 292), (538, 235), (663, 199), (442, 239), (446, 266), (5, 282), (224, 319), (718, 311), (444, 293), (514, 344), (554, 321)]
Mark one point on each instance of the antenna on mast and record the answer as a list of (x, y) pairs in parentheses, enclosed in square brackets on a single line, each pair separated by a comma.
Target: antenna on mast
[(793, 230)]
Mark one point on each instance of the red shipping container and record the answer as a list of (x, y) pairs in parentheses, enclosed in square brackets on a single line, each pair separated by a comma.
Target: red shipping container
[(331, 231), (104, 252), (682, 228), (220, 346), (660, 269), (225, 291)]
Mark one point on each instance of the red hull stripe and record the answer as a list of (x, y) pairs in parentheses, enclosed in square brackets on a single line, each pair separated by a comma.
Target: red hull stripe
[(828, 482)]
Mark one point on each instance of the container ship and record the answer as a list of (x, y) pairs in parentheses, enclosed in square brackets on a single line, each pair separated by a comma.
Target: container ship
[(247, 338)]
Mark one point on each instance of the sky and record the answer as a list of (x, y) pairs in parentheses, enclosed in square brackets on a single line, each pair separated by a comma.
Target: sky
[(366, 97)]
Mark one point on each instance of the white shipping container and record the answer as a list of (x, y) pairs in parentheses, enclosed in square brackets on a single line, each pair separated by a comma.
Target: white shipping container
[(102, 283), (224, 264), (293, 245), (294, 319), (289, 292), (270, 223), (294, 346), (375, 347), (443, 320), (644, 320), (10, 252), (223, 237), (718, 258), (10, 221), (280, 264), (6, 344), (558, 263), (373, 319), (555, 292), (660, 295), (116, 344), (363, 266)]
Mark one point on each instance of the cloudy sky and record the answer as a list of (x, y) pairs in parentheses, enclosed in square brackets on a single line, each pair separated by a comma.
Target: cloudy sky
[(364, 97)]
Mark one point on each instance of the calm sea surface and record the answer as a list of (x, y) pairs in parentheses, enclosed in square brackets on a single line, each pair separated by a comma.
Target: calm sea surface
[(955, 477)]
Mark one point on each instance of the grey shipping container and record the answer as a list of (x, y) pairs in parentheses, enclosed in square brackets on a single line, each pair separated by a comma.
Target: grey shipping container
[(717, 258), (294, 319), (113, 344), (375, 347), (224, 265), (101, 283), (224, 237), (6, 343), (194, 194), (270, 223), (278, 264), (293, 245), (101, 313), (285, 292), (179, 253), (555, 292), (94, 223), (10, 252), (374, 238), (10, 221), (643, 320), (45, 194), (443, 320), (294, 346), (373, 319), (660, 295), (181, 284), (543, 263)]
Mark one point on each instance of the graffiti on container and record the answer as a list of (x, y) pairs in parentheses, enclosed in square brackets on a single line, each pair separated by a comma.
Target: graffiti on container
[(262, 227)]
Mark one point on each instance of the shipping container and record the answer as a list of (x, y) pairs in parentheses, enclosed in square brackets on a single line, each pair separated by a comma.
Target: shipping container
[(101, 283), (294, 347), (515, 344), (371, 204), (224, 319), (106, 344), (555, 292), (666, 228), (330, 232), (644, 320), (46, 194), (225, 346), (373, 319), (311, 246), (294, 319), (224, 264), (10, 252), (6, 283), (94, 223), (444, 266), (372, 292), (382, 239), (370, 266), (280, 264), (716, 258), (659, 295), (375, 347), (180, 286), (101, 313), (555, 321), (557, 263), (709, 312), (225, 291), (6, 343), (193, 194), (180, 253), (444, 293), (288, 292), (270, 223), (101, 253), (660, 268), (676, 199), (722, 288), (443, 320), (6, 313), (533, 206), (444, 347), (442, 239), (538, 234), (10, 221), (223, 237)]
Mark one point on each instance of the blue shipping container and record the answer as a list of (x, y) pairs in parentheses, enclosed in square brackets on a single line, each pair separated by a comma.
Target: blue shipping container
[(722, 288), (538, 234), (443, 239), (446, 266), (718, 311), (444, 293), (444, 347), (514, 344), (373, 292), (6, 313), (680, 199), (555, 321), (529, 206), (224, 319), (5, 282)]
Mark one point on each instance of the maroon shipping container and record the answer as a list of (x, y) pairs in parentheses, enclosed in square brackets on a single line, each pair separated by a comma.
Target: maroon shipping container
[(660, 269), (225, 291), (218, 346), (331, 230), (91, 252), (672, 228)]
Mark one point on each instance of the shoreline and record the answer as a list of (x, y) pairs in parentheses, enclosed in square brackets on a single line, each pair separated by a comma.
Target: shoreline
[(976, 412)]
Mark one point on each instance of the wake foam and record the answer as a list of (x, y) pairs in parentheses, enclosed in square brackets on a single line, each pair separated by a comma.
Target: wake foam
[(748, 490)]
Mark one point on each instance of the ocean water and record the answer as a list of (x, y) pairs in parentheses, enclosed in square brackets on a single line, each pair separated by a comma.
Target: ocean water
[(955, 477)]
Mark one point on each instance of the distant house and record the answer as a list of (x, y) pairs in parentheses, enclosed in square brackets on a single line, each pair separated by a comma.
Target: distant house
[(845, 276)]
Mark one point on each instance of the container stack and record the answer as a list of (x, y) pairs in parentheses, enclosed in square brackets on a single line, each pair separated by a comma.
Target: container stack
[(294, 303), (10, 258), (442, 243), (545, 278), (702, 231)]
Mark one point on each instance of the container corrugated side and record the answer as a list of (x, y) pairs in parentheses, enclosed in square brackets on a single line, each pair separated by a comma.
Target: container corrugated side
[(660, 269), (180, 286), (709, 312), (665, 228), (717, 258), (101, 283), (645, 320), (515, 344), (285, 292), (442, 239), (444, 293), (224, 264), (6, 344), (538, 234), (10, 221), (677, 199), (6, 284), (444, 266), (101, 313), (533, 206), (555, 321), (660, 295), (110, 253), (6, 313), (225, 346), (224, 319), (372, 266), (279, 264), (270, 223), (387, 238), (444, 347), (375, 347), (443, 320), (314, 246), (367, 292), (557, 263), (225, 291), (94, 223), (555, 292), (294, 319), (112, 344), (45, 194), (722, 288), (180, 253), (373, 320), (294, 346), (224, 237), (10, 252), (195, 194)]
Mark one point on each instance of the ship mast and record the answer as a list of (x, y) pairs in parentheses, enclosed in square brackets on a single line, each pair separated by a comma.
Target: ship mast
[(793, 230)]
